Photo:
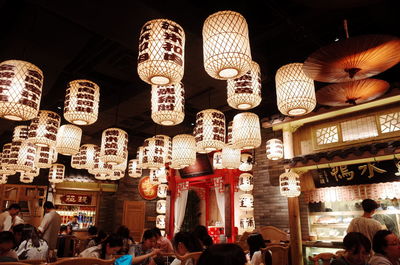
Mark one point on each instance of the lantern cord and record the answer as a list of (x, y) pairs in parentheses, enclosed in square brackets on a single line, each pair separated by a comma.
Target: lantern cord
[(30, 32), (346, 29), (117, 110)]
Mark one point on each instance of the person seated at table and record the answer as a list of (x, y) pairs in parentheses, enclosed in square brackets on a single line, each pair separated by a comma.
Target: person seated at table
[(187, 247), (163, 243), (101, 235), (127, 240), (223, 254), (17, 231), (201, 233), (74, 222), (32, 247), (357, 250), (105, 250), (255, 242), (386, 246), (144, 252), (6, 247)]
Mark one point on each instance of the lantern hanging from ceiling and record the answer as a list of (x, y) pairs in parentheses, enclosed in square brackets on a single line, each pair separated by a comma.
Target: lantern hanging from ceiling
[(139, 155), (21, 90), (133, 170), (87, 154), (68, 139), (217, 160), (295, 93), (246, 202), (246, 162), (289, 184), (162, 190), (161, 52), (116, 175), (246, 131), (230, 158), (56, 173), (168, 104), (20, 133), (162, 175), (274, 149), (101, 176), (161, 206), (120, 167), (183, 151), (26, 178), (3, 178), (33, 173), (229, 134), (246, 182), (210, 130), (160, 221), (245, 92), (226, 45), (45, 156), (5, 160), (76, 161), (114, 146), (81, 106), (155, 151), (153, 179), (22, 156), (100, 167), (247, 223), (167, 146), (43, 129)]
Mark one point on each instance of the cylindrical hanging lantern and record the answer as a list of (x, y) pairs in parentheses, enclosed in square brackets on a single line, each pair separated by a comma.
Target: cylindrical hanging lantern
[(226, 46), (289, 184), (160, 221), (45, 156), (99, 166), (217, 160), (101, 176), (230, 158), (87, 154), (133, 170), (246, 202), (21, 90), (246, 162), (246, 131), (295, 93), (139, 155), (245, 92), (22, 156), (76, 161), (274, 149), (5, 160), (210, 130), (183, 151), (81, 105), (68, 139), (168, 104), (20, 133), (44, 128), (162, 175), (24, 178), (229, 134), (246, 182), (153, 179), (114, 146), (155, 151), (167, 146), (56, 173), (33, 173), (116, 175), (247, 223), (3, 178), (120, 167), (161, 52), (162, 190), (161, 206)]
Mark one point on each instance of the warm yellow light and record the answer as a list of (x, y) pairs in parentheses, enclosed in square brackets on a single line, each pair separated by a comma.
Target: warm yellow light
[(68, 139), (45, 156), (289, 183), (183, 151), (44, 128), (20, 133), (22, 156), (114, 146), (246, 202), (274, 149), (246, 182), (168, 104), (230, 157), (210, 130), (133, 170), (87, 153), (246, 131), (56, 173)]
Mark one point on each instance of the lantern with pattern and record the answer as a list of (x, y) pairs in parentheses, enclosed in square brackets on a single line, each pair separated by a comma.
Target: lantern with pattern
[(246, 202), (289, 184), (274, 149), (99, 166), (76, 161), (153, 179), (247, 223), (68, 139), (43, 129), (226, 45), (33, 173), (20, 133), (139, 155), (21, 90), (246, 182), (161, 206), (168, 104), (56, 173), (295, 93), (120, 167), (162, 190), (3, 178), (101, 176), (246, 162), (45, 156), (160, 221), (210, 130), (87, 154), (155, 151), (217, 160), (246, 131), (229, 134), (230, 157), (5, 160), (133, 170), (81, 105), (162, 175), (22, 156), (116, 175), (114, 146), (167, 146), (183, 151), (161, 52)]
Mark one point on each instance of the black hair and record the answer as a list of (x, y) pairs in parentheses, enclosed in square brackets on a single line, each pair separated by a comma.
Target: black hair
[(101, 235), (112, 240), (157, 231), (223, 254), (379, 242), (30, 233), (123, 231), (18, 228), (200, 231), (255, 242), (6, 237), (353, 241), (92, 230), (369, 205), (148, 234), (191, 243), (14, 206), (48, 205)]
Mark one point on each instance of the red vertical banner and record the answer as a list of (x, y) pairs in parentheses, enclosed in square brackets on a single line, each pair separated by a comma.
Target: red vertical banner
[(171, 196)]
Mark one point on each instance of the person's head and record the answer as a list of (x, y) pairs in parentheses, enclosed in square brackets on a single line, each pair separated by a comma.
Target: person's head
[(7, 241), (123, 231), (255, 242), (201, 233), (14, 209), (357, 248), (75, 219), (369, 206), (48, 206), (186, 242), (101, 235), (157, 232), (63, 230), (149, 239), (17, 231), (223, 254), (69, 229), (387, 244), (29, 232), (111, 245), (92, 230)]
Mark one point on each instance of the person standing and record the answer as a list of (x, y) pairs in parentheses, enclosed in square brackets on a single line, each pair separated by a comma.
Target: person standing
[(7, 217), (50, 225)]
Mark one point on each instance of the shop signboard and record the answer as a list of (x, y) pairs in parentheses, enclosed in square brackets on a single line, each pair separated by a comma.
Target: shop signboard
[(147, 190), (81, 199)]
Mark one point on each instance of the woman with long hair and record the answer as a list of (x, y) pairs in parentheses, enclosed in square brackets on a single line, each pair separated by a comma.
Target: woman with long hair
[(255, 242), (223, 254), (105, 250), (31, 246), (186, 246)]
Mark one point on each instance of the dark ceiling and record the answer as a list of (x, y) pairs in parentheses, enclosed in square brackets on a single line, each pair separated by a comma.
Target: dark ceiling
[(98, 40)]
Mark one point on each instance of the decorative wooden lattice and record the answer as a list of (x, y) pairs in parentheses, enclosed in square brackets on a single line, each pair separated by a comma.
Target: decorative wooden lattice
[(327, 135), (390, 122), (361, 128)]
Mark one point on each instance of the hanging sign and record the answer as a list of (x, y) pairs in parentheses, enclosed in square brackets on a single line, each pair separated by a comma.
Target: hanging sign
[(76, 199), (147, 190)]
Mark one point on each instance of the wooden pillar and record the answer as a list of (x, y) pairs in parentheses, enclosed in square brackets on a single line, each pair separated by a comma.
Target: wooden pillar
[(171, 196), (230, 206), (207, 201)]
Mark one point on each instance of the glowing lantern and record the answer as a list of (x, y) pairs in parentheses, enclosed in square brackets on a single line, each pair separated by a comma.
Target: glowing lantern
[(230, 158), (99, 166), (133, 170), (45, 156), (160, 221), (161, 206), (183, 151), (87, 153), (154, 153), (210, 130), (33, 173), (217, 160), (246, 162), (168, 104), (116, 175), (56, 173), (162, 175), (289, 184), (247, 223), (246, 202), (22, 156), (101, 176), (229, 134), (162, 190), (120, 167), (167, 146), (5, 161), (139, 155), (153, 179), (68, 139), (76, 161), (246, 131), (246, 182), (43, 129), (20, 133), (3, 178), (114, 146), (274, 149)]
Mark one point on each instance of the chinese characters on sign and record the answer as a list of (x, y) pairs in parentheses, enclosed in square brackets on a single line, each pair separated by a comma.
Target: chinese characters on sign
[(147, 190), (76, 199)]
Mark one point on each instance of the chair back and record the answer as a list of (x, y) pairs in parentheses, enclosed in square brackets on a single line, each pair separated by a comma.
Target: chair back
[(242, 242), (83, 261), (277, 254), (34, 261), (275, 235), (325, 257), (80, 245), (13, 263)]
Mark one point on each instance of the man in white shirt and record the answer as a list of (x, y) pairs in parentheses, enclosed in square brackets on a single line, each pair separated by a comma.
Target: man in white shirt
[(50, 225), (8, 216)]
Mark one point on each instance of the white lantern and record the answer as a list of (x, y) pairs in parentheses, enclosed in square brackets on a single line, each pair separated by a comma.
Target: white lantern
[(114, 146), (133, 170), (183, 151), (295, 93), (21, 90), (43, 129), (76, 161), (229, 134), (217, 160), (167, 146), (33, 173), (81, 106), (246, 182), (161, 52), (155, 151), (161, 206), (246, 202), (26, 178), (245, 92), (246, 162), (5, 161), (56, 173), (3, 178), (226, 46), (246, 131), (120, 167), (87, 153), (247, 223), (116, 175), (101, 176), (160, 221), (22, 156), (20, 133), (68, 139), (168, 104), (162, 190), (230, 158), (99, 166), (162, 175), (139, 155), (289, 184), (153, 179), (210, 130), (274, 149)]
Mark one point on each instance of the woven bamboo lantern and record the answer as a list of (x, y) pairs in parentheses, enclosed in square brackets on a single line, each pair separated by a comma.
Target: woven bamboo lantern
[(33, 173), (246, 202), (21, 90), (87, 153), (162, 175), (43, 129), (155, 151), (295, 93), (120, 167), (99, 166), (101, 176), (247, 223), (76, 161), (68, 139), (160, 221), (22, 156), (245, 92), (139, 155), (26, 178), (274, 149), (289, 184), (246, 182), (246, 162), (162, 191), (230, 158), (45, 156), (229, 134), (153, 179), (217, 160), (246, 131), (210, 130), (183, 151), (5, 160), (161, 206), (161, 52), (114, 146), (81, 106), (56, 173), (116, 175), (226, 45), (133, 170), (167, 146), (168, 104), (3, 178), (20, 133)]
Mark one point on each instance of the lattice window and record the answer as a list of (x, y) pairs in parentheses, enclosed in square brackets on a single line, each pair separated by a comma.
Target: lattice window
[(359, 129), (327, 135), (390, 122)]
